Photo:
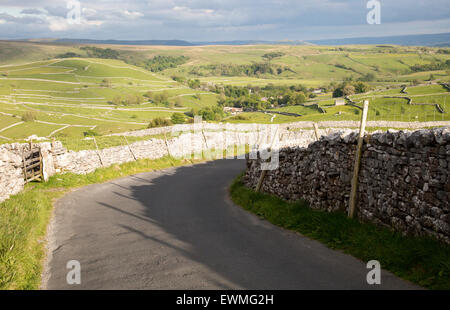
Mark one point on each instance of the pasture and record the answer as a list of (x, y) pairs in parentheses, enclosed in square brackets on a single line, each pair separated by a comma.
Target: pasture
[(48, 95)]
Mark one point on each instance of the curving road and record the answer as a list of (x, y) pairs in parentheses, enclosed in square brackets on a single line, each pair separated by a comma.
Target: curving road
[(177, 229)]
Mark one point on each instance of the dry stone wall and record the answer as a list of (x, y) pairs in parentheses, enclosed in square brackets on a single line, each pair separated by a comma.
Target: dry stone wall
[(56, 159), (404, 181), (11, 172)]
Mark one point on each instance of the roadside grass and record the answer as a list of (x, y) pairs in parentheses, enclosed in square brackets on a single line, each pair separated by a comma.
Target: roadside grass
[(421, 260), (25, 216)]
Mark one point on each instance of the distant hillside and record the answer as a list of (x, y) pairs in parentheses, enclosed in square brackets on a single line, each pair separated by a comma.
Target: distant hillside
[(125, 42), (250, 42), (176, 42), (441, 39)]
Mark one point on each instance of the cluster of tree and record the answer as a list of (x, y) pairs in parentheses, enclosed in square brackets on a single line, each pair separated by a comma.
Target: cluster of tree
[(161, 63), (258, 98), (249, 102), (272, 55), (91, 133), (255, 69), (369, 77), (69, 55), (29, 117), (159, 98), (179, 79), (96, 52), (178, 118), (443, 51), (214, 113), (194, 84), (431, 67), (274, 90), (350, 88), (159, 122), (344, 67), (235, 91), (130, 99), (106, 83)]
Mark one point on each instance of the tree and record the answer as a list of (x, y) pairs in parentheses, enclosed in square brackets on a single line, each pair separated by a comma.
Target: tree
[(348, 90), (164, 96), (106, 83), (338, 92), (300, 98), (117, 100), (149, 95), (178, 118), (29, 116), (178, 102), (361, 87), (194, 83)]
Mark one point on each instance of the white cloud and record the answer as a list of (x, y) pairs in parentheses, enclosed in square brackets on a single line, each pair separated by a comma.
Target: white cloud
[(131, 14), (57, 24)]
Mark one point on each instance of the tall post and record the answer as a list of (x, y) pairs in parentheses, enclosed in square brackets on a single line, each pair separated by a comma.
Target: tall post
[(316, 131), (264, 172), (129, 147), (98, 152), (362, 129), (167, 145)]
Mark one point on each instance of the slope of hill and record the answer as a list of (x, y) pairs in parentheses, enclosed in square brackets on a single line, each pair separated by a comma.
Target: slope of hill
[(440, 39), (67, 97), (126, 42), (55, 90)]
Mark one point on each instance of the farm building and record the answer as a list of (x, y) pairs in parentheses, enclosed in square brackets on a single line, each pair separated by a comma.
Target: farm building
[(233, 110), (339, 102), (317, 91)]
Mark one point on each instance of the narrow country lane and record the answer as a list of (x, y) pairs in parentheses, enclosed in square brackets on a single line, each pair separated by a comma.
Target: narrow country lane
[(178, 229)]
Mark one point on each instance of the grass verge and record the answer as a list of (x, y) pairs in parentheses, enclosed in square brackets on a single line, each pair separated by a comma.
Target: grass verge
[(421, 260), (24, 219)]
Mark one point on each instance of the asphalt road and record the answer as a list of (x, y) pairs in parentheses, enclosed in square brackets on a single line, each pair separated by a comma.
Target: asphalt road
[(178, 229)]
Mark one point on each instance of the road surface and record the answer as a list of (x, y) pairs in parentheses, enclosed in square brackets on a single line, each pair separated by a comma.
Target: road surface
[(178, 229)]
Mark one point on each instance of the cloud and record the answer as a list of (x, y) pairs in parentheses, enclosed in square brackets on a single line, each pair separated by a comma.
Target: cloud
[(32, 12), (58, 24), (20, 19), (131, 14), (220, 19), (57, 11)]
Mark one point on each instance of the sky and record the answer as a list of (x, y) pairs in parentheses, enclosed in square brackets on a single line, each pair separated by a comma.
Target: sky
[(218, 20)]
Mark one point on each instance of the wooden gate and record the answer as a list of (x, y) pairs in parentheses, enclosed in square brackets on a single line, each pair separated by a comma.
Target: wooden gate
[(32, 165)]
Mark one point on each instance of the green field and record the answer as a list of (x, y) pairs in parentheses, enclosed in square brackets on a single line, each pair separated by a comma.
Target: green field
[(66, 97)]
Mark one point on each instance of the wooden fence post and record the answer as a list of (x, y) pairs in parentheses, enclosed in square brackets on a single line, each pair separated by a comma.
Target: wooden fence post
[(353, 193), (24, 166), (129, 147), (316, 131), (98, 152), (204, 138), (264, 172), (167, 145), (41, 164)]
